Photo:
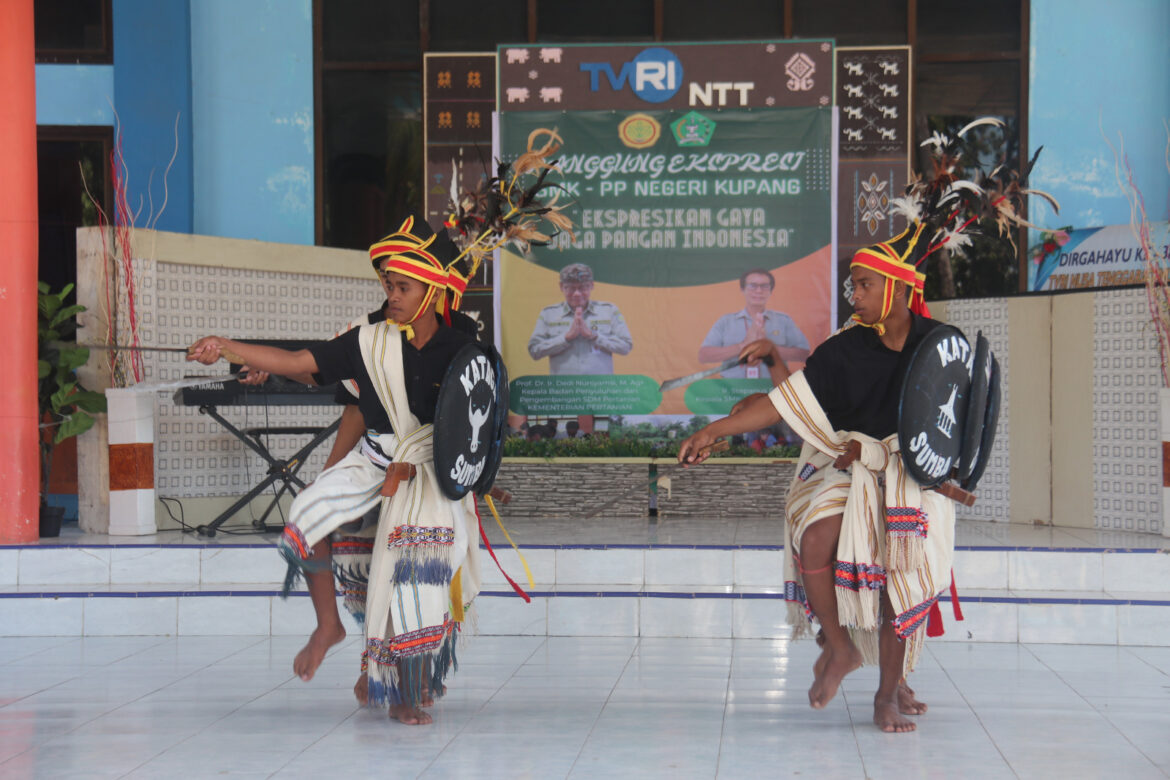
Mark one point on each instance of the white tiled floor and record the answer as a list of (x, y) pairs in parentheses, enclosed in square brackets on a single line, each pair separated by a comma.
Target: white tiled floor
[(193, 707)]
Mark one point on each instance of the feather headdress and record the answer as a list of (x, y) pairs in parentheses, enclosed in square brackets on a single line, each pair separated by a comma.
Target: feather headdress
[(950, 205), (507, 208), (942, 209)]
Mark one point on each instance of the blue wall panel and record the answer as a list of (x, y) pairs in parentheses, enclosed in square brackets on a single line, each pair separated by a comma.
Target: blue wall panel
[(1099, 66), (252, 69), (152, 76), (75, 95)]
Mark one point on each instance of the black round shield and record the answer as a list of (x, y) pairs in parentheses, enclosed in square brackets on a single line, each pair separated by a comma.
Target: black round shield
[(976, 407), (465, 420), (987, 435), (933, 408), (496, 453)]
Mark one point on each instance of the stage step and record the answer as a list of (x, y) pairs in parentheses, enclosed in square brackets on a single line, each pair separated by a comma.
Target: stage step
[(1076, 595)]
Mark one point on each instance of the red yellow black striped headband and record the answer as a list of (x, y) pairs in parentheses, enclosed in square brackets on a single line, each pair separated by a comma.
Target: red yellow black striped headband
[(883, 259)]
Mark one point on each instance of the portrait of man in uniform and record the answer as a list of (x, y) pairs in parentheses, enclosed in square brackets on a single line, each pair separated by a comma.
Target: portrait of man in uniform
[(579, 335), (755, 321)]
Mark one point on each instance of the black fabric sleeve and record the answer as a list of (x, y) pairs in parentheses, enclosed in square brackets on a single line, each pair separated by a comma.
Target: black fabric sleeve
[(343, 396), (821, 371), (338, 358)]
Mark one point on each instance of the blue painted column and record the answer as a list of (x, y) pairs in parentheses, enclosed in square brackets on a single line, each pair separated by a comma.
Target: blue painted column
[(152, 79), (1098, 68), (252, 67)]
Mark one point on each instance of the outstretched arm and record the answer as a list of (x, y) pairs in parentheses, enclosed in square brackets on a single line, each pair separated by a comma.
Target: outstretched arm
[(757, 413), (255, 357)]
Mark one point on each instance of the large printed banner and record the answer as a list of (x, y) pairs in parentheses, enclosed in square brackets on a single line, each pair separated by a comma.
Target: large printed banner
[(697, 228), (1097, 257)]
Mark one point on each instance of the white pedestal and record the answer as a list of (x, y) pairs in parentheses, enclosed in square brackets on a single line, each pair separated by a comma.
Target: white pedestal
[(131, 437)]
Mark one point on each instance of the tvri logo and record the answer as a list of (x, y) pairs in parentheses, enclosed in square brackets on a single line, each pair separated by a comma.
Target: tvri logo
[(655, 75)]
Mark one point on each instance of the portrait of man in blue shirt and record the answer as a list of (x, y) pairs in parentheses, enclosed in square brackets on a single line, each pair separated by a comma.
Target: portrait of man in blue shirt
[(755, 321)]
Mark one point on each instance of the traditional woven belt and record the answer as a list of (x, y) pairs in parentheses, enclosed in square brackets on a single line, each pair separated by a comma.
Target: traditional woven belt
[(374, 453)]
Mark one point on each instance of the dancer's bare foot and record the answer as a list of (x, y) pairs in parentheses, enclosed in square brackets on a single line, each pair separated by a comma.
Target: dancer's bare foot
[(313, 653), (428, 699), (907, 703), (361, 689), (887, 717), (411, 716), (834, 664)]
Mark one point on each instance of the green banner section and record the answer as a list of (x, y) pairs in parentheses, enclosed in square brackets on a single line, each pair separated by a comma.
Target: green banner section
[(680, 198), (584, 394), (717, 396)]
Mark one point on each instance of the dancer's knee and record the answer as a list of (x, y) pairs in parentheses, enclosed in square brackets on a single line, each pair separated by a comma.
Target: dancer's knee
[(818, 544)]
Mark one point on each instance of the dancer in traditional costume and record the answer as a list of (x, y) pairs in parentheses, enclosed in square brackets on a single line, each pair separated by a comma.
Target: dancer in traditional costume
[(352, 540), (413, 574), (868, 551)]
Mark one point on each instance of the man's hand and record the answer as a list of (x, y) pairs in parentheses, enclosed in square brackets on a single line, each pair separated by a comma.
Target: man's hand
[(693, 449), (852, 453), (206, 350), (575, 330), (253, 378), (756, 329), (757, 350)]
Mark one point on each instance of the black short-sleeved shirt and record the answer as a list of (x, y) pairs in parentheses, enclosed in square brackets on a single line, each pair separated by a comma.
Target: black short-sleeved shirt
[(459, 321), (858, 380), (423, 371)]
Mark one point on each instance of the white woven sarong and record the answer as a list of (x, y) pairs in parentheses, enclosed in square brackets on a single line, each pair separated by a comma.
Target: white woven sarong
[(421, 540), (894, 535)]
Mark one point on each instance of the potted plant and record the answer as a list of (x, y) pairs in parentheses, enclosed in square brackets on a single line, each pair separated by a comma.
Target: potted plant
[(65, 408)]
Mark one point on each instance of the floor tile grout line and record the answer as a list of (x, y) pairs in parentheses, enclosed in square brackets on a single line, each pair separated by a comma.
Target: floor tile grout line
[(260, 640), (65, 641), (162, 641), (726, 703), (601, 711), (1103, 716), (853, 729), (974, 712), (106, 712), (483, 706), (335, 727), (1130, 649)]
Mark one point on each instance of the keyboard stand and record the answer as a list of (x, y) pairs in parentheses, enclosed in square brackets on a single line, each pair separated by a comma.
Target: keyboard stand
[(283, 469)]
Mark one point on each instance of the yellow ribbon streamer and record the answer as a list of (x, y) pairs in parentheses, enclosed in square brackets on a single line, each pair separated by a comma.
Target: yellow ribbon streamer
[(500, 523), (457, 596)]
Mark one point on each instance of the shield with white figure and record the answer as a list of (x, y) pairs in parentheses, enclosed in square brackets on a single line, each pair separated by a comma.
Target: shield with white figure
[(932, 414), (466, 420), (496, 454)]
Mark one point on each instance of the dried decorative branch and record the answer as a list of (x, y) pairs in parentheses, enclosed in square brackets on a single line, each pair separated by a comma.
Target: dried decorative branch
[(1154, 264), (119, 277)]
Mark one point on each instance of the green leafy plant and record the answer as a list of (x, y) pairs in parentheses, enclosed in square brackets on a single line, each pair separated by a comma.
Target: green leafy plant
[(66, 408)]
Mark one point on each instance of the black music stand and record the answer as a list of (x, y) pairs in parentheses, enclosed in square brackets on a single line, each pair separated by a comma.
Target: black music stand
[(283, 469)]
